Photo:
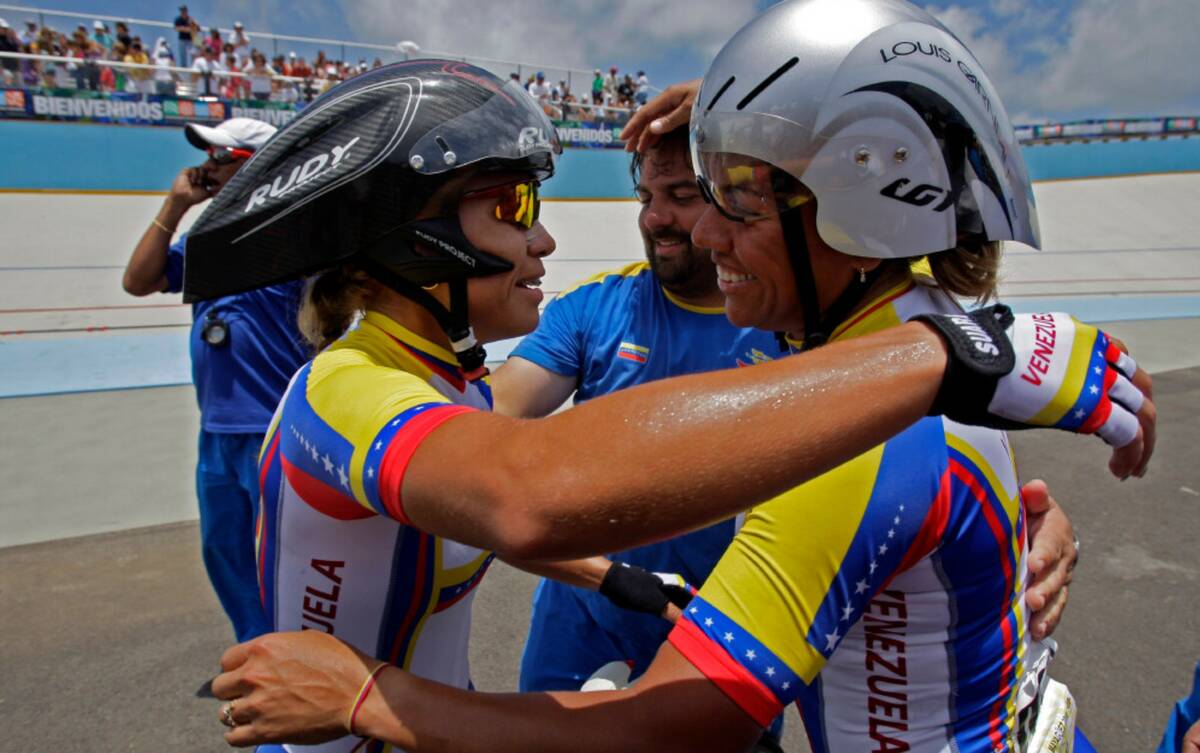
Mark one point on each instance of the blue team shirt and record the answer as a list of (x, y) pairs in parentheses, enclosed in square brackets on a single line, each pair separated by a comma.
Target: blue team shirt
[(239, 384), (619, 329)]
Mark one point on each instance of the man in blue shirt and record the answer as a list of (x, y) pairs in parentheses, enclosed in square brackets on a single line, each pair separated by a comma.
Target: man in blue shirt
[(244, 349), (645, 321)]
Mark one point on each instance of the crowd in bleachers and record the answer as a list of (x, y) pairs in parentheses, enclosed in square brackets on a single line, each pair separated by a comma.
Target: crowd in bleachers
[(610, 97), (228, 65), (208, 58)]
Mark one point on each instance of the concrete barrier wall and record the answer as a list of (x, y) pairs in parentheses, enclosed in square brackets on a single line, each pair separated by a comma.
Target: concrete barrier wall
[(75, 156)]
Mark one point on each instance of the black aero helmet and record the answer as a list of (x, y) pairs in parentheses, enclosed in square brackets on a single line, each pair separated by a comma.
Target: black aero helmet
[(347, 178)]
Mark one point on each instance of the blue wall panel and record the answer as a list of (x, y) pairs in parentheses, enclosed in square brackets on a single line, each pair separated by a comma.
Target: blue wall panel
[(1095, 159), (41, 155)]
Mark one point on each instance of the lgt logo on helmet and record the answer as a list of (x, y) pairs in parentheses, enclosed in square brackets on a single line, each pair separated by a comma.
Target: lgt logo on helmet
[(532, 139), (919, 196)]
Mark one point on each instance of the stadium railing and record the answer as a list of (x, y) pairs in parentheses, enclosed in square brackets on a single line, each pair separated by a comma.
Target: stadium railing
[(273, 45)]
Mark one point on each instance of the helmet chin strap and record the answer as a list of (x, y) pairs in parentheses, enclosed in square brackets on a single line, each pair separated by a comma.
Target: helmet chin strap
[(455, 319), (817, 328)]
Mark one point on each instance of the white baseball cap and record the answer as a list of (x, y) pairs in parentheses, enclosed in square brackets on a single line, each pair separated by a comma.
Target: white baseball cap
[(237, 24), (235, 133), (97, 24), (3, 24)]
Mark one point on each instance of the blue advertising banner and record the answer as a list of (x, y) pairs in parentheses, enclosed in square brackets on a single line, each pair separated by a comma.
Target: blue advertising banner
[(153, 109)]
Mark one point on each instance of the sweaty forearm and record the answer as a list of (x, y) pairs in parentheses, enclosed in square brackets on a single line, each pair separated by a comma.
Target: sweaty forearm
[(669, 456)]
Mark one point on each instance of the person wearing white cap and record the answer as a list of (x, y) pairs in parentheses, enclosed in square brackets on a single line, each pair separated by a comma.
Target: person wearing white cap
[(101, 35), (244, 349), (241, 43)]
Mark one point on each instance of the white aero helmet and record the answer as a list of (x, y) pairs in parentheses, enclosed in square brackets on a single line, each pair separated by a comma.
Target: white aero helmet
[(881, 113)]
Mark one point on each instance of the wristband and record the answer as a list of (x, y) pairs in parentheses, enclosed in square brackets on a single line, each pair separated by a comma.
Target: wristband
[(978, 354), (363, 692), (162, 227)]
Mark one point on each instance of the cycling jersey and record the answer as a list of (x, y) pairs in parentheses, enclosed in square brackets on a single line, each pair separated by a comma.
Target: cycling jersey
[(616, 330), (885, 596), (335, 552)]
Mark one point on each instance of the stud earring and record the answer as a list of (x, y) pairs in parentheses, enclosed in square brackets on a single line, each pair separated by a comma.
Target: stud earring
[(862, 275)]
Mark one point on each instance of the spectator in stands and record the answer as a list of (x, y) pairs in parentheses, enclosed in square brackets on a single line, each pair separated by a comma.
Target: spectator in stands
[(642, 93), (48, 44), (9, 42), (204, 72), (142, 78), (101, 36), (87, 52), (241, 43), (113, 79), (259, 74), (598, 87), (185, 25), (302, 69), (164, 78), (540, 88), (122, 34), (625, 92), (244, 348), (214, 41), (611, 82), (377, 63), (30, 35), (569, 102), (30, 73), (231, 86)]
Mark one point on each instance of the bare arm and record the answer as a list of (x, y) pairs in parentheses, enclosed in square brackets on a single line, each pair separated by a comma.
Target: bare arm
[(590, 572), (672, 708), (522, 389), (301, 687), (145, 273), (669, 456), (587, 572)]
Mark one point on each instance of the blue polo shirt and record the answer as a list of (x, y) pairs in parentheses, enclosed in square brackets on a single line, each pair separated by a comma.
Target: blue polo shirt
[(239, 384), (622, 328)]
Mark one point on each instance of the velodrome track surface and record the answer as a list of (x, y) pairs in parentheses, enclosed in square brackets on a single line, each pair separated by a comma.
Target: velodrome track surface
[(107, 636)]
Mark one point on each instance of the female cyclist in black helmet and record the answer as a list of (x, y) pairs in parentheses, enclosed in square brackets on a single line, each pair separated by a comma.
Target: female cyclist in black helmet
[(415, 188)]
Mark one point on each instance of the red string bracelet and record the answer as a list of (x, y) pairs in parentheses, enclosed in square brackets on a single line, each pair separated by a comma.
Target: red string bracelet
[(363, 692)]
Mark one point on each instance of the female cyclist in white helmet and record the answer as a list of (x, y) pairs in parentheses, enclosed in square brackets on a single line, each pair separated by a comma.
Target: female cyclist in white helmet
[(906, 560)]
